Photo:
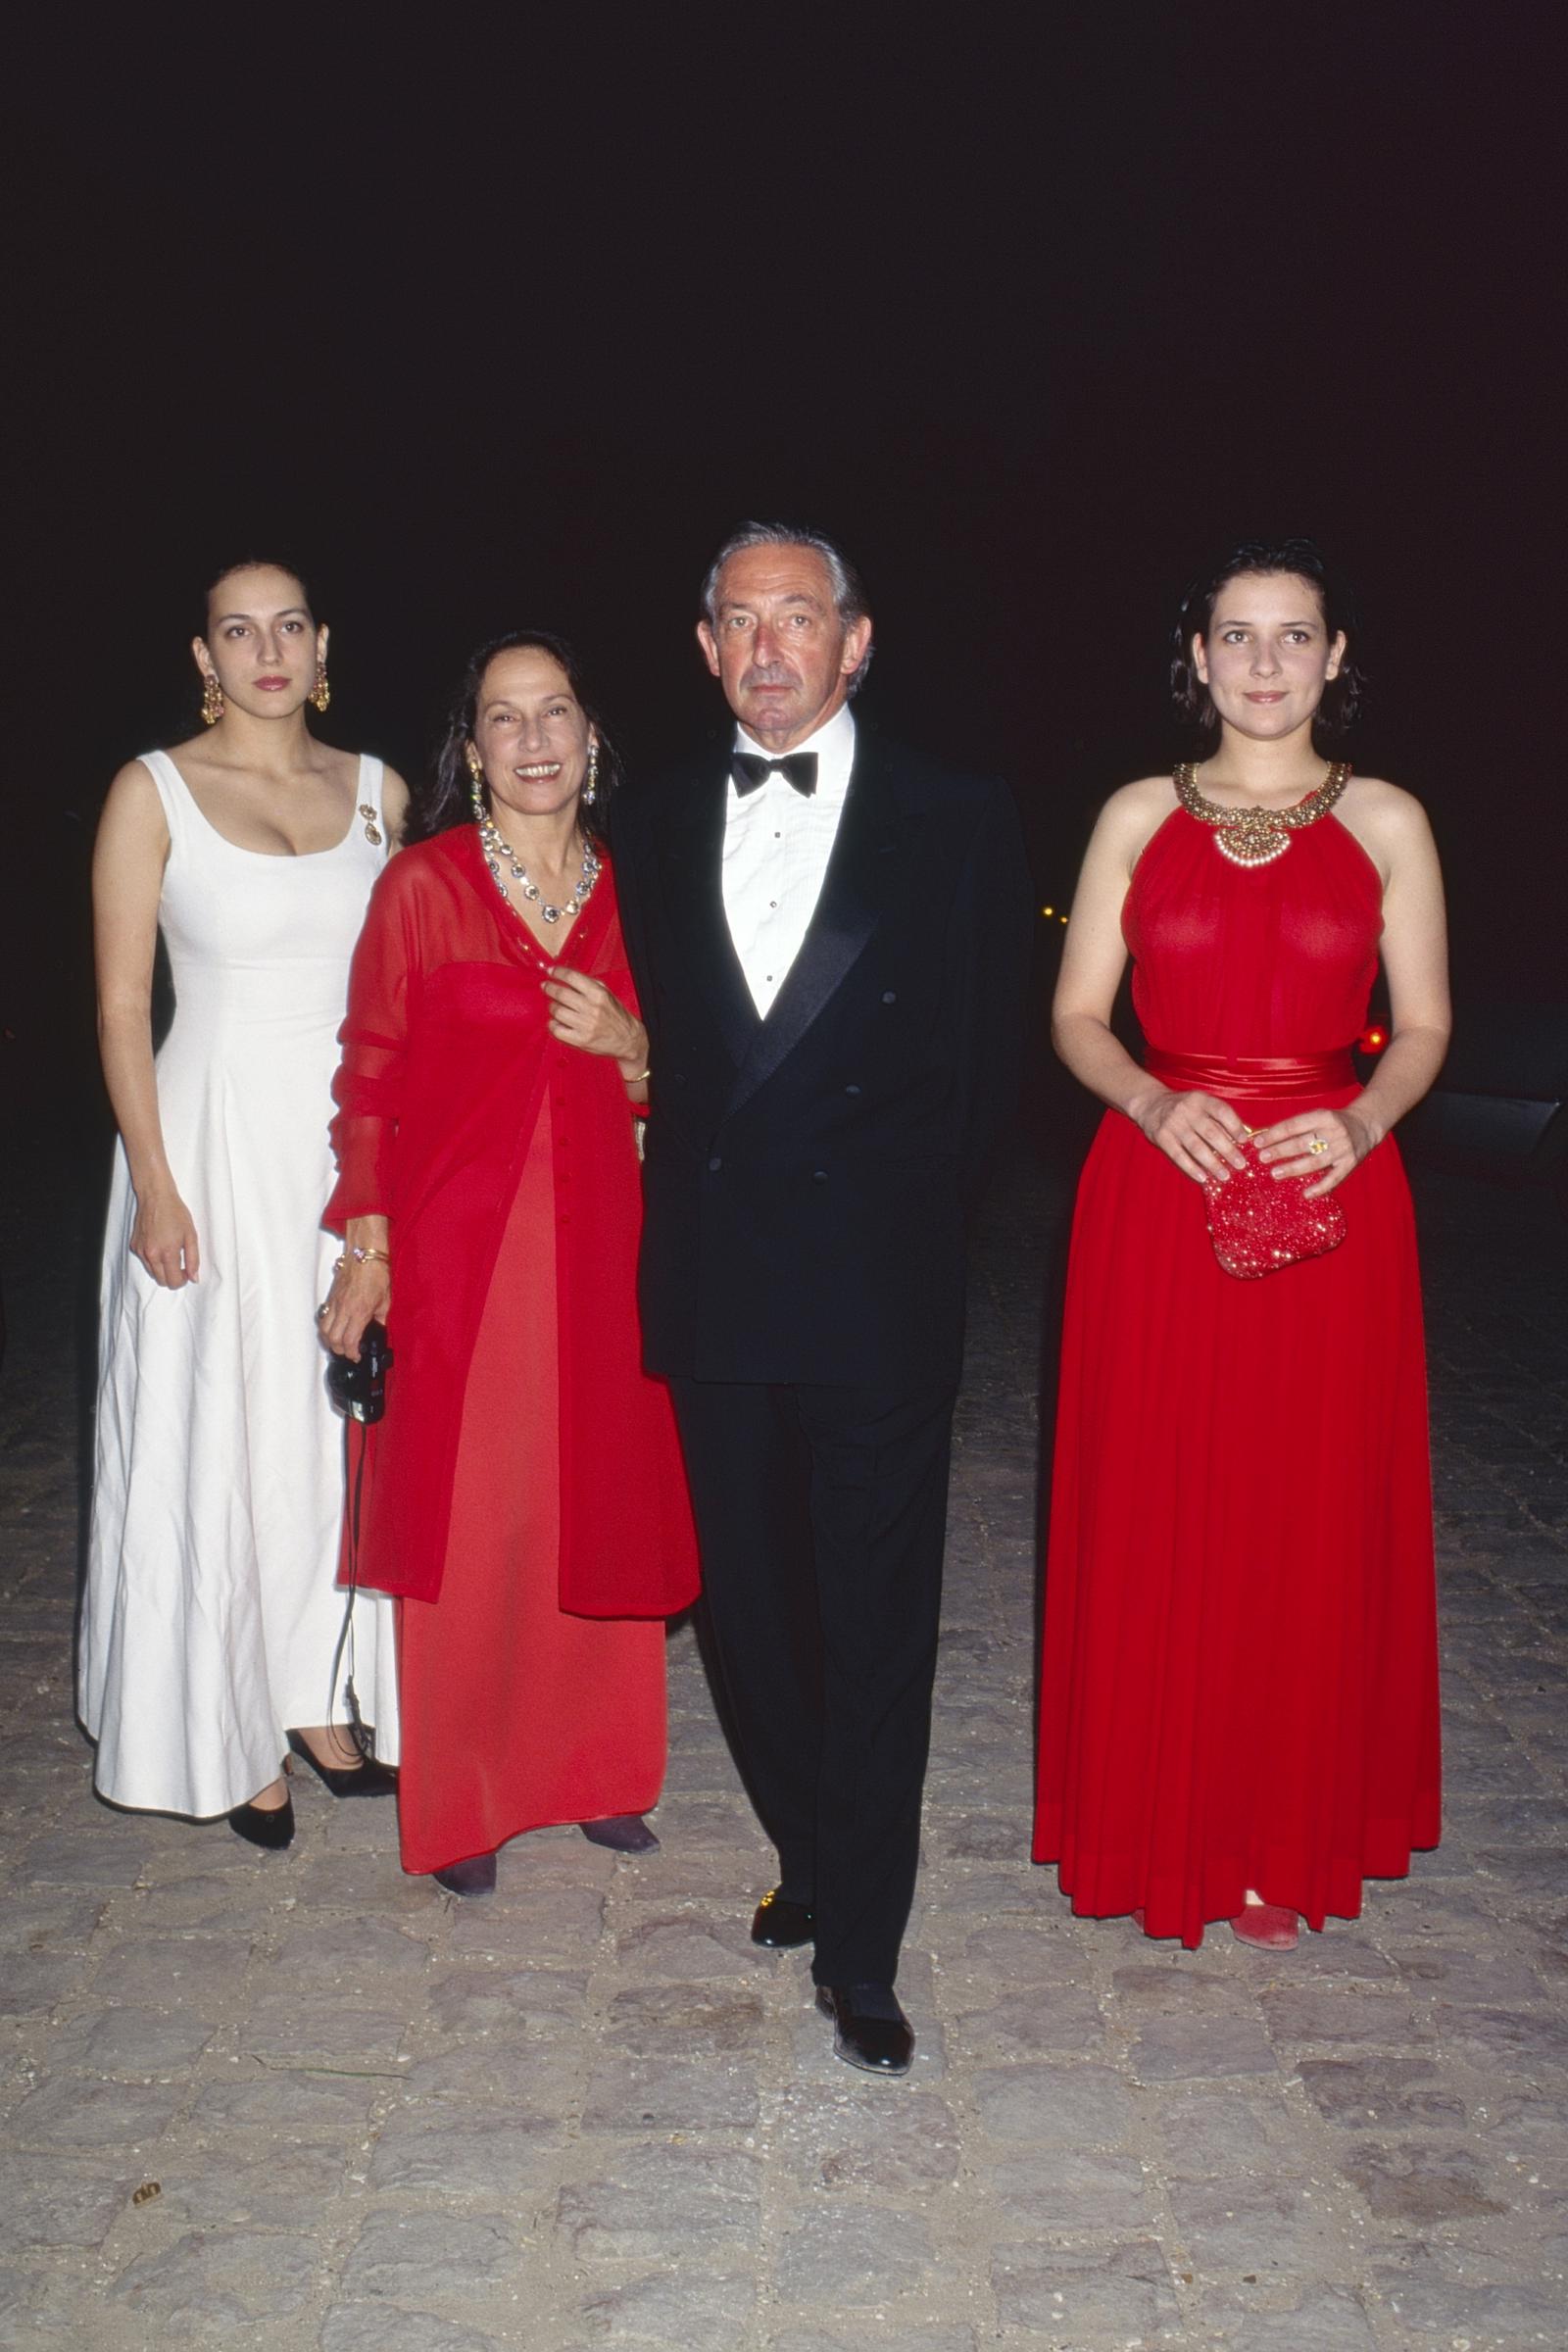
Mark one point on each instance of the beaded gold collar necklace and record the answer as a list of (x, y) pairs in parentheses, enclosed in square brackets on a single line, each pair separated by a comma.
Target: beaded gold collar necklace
[(1258, 835)]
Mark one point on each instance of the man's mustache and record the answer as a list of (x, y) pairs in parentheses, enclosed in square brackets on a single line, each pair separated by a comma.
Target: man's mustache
[(766, 673)]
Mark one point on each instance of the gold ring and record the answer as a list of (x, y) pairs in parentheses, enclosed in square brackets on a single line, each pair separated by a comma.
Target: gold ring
[(324, 1309), (1317, 1145)]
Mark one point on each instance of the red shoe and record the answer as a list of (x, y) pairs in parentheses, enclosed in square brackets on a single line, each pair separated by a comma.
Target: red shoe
[(1270, 1926)]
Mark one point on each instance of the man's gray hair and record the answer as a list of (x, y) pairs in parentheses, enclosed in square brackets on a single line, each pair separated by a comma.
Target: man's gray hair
[(850, 599)]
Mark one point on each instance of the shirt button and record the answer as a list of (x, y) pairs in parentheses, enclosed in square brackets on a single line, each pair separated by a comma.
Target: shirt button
[(819, 1175), (851, 1089), (714, 1165), (890, 996)]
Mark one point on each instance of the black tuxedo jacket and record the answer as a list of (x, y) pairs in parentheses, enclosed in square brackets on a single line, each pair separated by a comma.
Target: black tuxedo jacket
[(808, 1174)]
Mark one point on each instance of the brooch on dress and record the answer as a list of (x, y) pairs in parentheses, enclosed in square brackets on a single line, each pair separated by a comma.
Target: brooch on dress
[(372, 832)]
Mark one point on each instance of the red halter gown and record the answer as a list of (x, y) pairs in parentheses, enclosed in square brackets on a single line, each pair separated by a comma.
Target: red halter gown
[(1240, 1681)]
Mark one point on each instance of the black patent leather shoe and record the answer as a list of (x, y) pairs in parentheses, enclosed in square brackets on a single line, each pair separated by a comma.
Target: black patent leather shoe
[(368, 1779), (782, 1925), (271, 1826), (476, 1876), (869, 2029)]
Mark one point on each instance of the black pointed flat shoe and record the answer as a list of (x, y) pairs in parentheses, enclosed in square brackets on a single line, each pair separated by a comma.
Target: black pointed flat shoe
[(622, 1833), (782, 1925), (869, 2029), (476, 1876), (271, 1826), (368, 1779)]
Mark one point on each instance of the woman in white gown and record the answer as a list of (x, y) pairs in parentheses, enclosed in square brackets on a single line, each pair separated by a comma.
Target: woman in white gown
[(211, 1622)]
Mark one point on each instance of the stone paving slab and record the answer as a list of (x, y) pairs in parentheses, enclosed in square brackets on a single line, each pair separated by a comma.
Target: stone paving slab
[(302, 2101)]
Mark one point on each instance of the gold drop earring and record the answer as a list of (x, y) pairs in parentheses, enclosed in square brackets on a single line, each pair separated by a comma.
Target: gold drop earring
[(321, 692), (590, 790), (476, 785), (212, 700)]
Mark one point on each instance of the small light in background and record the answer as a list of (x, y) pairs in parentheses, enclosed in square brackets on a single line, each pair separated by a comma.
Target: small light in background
[(1372, 1041), (1047, 911)]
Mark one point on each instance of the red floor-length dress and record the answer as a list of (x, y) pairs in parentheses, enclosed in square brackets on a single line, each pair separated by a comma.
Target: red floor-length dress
[(523, 1497), (516, 1714), (1239, 1677)]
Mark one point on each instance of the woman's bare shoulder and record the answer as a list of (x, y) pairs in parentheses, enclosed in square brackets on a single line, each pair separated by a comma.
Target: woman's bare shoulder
[(1146, 798), (133, 777), (1382, 808), (133, 796), (1132, 816)]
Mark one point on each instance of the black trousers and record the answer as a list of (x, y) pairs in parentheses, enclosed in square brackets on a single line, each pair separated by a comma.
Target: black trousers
[(821, 1513)]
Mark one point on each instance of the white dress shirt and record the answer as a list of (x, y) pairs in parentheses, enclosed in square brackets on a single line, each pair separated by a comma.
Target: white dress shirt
[(777, 843)]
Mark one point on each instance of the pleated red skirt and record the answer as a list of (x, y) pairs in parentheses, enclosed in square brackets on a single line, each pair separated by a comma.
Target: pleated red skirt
[(1240, 1673)]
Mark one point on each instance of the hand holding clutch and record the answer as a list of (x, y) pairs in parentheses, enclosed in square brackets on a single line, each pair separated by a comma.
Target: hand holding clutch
[(1259, 1222)]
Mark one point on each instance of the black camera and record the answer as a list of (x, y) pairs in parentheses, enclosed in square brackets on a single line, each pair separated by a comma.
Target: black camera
[(360, 1389)]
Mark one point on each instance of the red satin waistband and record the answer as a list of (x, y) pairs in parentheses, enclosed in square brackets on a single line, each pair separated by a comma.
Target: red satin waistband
[(1274, 1076)]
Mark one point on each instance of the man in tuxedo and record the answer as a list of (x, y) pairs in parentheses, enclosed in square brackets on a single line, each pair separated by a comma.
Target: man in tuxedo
[(829, 936)]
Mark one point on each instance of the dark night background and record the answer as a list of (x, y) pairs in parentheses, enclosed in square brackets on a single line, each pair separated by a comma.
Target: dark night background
[(509, 317)]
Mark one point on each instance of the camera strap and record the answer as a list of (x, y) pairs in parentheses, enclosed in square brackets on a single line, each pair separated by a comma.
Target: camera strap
[(353, 1488)]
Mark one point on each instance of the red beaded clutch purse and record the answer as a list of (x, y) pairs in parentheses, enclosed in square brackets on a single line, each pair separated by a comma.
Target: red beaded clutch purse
[(1259, 1222)]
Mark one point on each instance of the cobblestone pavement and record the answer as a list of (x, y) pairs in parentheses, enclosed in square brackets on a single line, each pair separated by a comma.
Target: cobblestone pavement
[(303, 2101)]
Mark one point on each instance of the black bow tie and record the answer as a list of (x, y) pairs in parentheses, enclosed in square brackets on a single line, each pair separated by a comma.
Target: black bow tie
[(749, 769)]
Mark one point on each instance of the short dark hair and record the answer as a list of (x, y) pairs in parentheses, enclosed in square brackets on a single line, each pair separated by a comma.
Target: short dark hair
[(850, 599), (1343, 696), (443, 799)]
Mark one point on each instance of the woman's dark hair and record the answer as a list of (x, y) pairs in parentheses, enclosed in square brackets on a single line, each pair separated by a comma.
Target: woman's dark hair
[(249, 563), (1343, 696), (443, 799)]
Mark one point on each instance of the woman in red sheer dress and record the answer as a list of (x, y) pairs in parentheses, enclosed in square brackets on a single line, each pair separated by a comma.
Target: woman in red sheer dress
[(524, 1493), (1238, 1710)]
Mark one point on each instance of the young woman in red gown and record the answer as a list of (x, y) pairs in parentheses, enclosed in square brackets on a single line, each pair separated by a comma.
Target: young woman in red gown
[(1238, 1710), (525, 1494)]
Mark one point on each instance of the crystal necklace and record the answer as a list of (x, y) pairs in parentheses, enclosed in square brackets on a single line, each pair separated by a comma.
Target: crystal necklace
[(1258, 835), (498, 853)]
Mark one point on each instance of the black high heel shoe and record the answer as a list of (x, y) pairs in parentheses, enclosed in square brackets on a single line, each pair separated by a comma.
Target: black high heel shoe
[(271, 1826), (368, 1779)]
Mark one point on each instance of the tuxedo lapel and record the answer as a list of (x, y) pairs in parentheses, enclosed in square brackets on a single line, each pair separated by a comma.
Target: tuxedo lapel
[(855, 889), (692, 865)]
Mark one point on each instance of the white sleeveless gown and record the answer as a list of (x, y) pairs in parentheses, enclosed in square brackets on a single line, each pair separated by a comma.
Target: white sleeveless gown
[(211, 1615)]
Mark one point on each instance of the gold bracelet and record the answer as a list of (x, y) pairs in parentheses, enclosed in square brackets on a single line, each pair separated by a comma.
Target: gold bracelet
[(362, 1257), (639, 1077)]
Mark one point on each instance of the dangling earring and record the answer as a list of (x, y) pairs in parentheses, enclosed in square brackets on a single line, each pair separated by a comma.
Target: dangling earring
[(590, 790), (476, 784), (211, 701), (321, 692)]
